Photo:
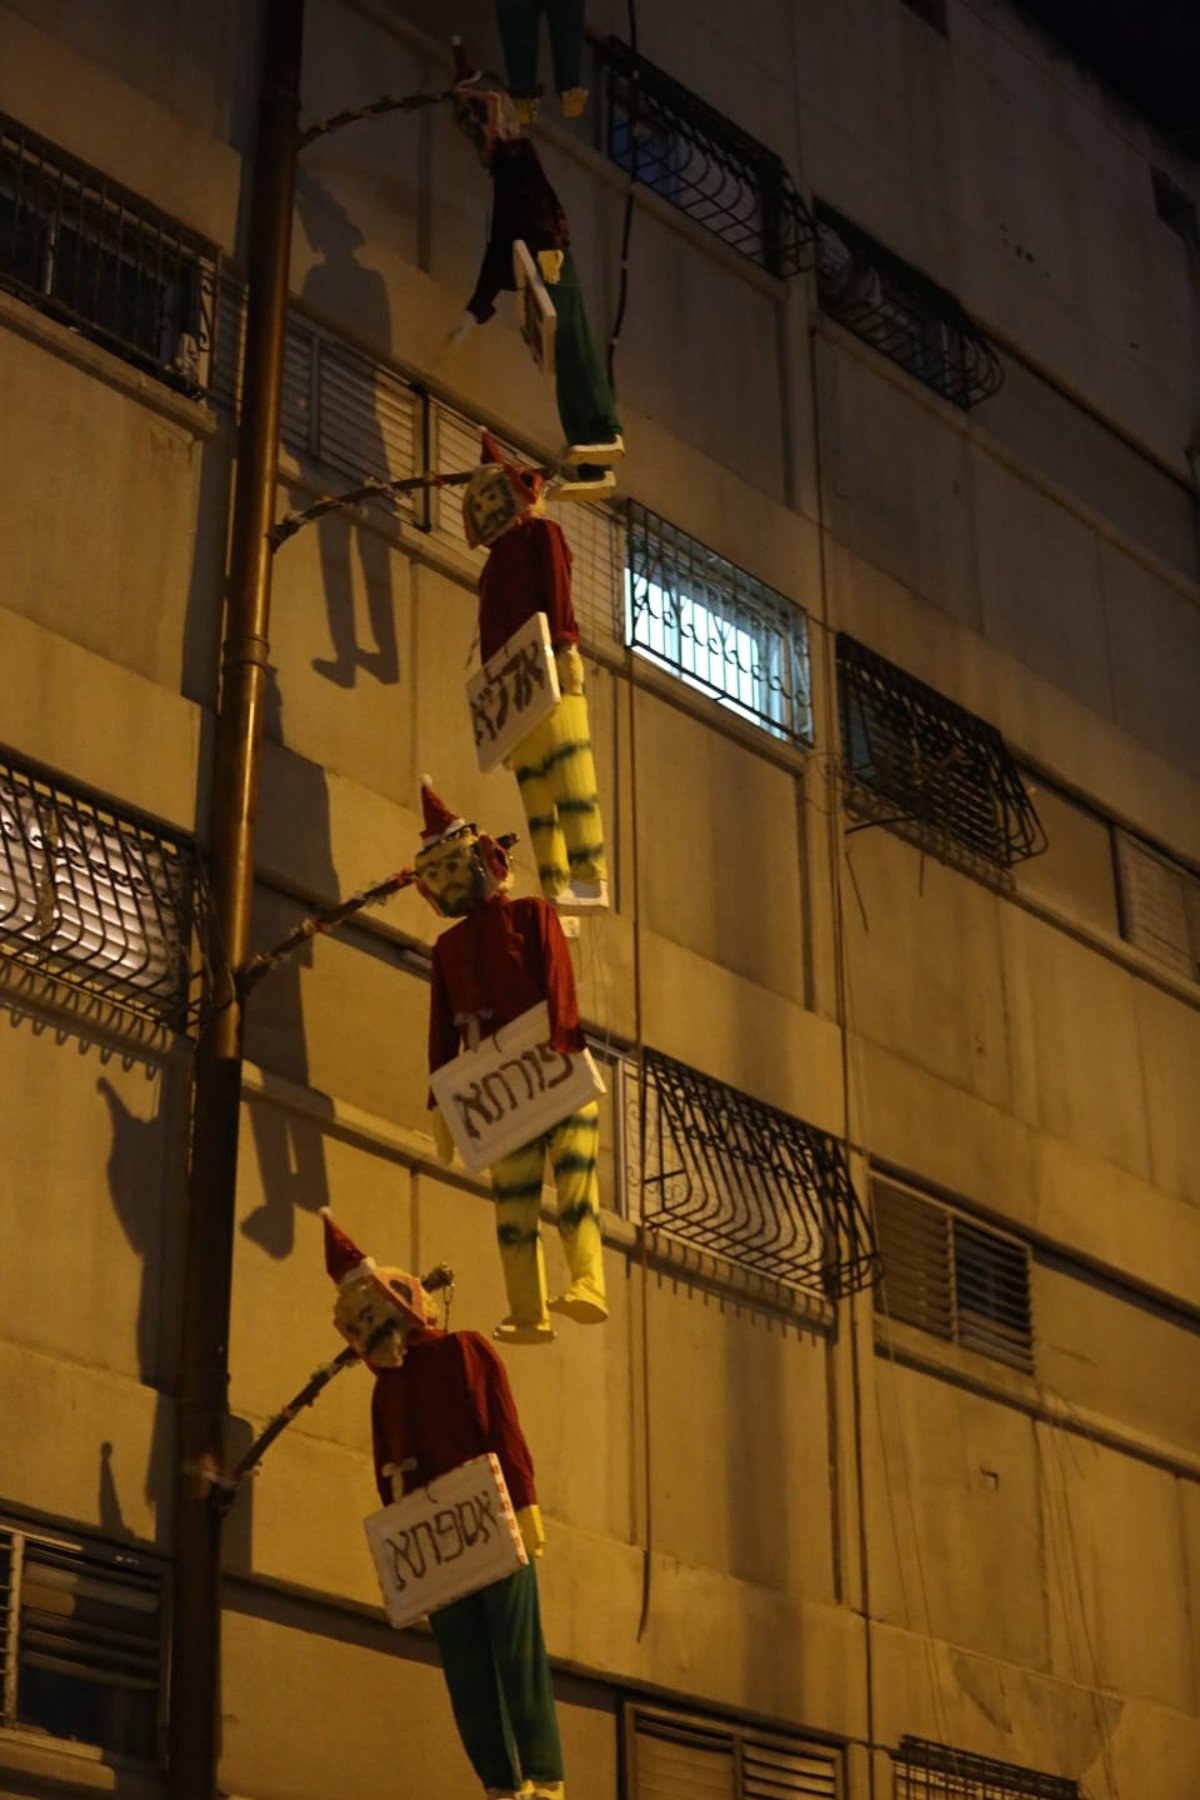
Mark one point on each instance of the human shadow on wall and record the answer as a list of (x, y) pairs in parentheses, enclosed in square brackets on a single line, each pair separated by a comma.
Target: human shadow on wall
[(290, 1146), (339, 287), (138, 1175), (112, 1519)]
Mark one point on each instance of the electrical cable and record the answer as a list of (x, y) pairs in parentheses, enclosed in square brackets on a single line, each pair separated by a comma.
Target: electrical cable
[(627, 224)]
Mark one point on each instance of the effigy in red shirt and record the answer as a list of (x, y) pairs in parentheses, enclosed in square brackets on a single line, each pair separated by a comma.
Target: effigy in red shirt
[(528, 571)]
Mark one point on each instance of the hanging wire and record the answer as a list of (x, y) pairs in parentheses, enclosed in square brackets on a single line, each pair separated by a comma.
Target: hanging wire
[(627, 224)]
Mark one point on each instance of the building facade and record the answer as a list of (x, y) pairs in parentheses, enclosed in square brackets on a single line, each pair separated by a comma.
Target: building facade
[(892, 632)]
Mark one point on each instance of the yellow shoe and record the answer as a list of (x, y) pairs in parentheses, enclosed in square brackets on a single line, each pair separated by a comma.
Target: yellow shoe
[(573, 102)]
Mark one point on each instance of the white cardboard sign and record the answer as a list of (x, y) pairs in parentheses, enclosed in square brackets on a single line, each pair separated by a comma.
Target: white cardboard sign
[(512, 1089), (535, 309), (449, 1539), (514, 691)]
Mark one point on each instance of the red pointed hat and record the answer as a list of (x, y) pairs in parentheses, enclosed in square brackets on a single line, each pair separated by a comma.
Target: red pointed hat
[(344, 1261), (440, 822), (464, 68)]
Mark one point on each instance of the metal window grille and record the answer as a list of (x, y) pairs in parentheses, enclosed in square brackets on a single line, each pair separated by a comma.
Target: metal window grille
[(938, 770), (81, 1651), (737, 1178), (926, 1771), (672, 1754), (716, 627), (681, 148), (85, 250), (338, 406), (901, 313), (1160, 906), (947, 1275), (93, 897)]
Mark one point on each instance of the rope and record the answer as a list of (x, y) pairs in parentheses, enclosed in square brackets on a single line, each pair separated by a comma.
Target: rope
[(409, 103)]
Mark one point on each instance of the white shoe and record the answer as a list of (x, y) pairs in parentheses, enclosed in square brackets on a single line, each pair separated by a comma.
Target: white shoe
[(520, 1331), (582, 896), (563, 487)]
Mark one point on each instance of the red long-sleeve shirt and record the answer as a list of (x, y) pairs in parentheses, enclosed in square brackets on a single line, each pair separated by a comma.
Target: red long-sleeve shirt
[(447, 1402), (494, 965), (524, 205), (528, 571)]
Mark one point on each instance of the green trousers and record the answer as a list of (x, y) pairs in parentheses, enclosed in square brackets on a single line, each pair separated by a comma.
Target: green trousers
[(520, 22), (586, 408), (517, 1184), (496, 1668)]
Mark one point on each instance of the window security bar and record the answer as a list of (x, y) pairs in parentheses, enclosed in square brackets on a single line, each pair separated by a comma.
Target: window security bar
[(681, 148), (925, 1771), (80, 1643), (94, 898), (716, 627), (746, 1182), (937, 769), (91, 253), (901, 313)]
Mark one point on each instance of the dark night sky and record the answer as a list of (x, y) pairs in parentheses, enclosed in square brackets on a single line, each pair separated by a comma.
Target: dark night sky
[(1148, 51)]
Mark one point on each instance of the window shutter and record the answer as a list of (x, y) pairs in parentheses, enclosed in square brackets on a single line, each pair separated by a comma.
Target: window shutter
[(8, 1626), (914, 1242), (365, 416), (672, 1765), (991, 1280), (295, 405), (597, 550), (1160, 905), (770, 1772)]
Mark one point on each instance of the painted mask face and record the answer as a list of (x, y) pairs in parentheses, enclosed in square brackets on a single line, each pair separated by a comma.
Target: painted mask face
[(491, 504), (484, 116), (454, 875), (374, 1325)]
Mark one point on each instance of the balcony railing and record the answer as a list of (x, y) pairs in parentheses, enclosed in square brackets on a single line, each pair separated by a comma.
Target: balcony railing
[(928, 1771), (89, 252), (687, 152)]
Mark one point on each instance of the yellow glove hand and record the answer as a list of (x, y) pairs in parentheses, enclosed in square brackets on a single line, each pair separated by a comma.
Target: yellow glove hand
[(533, 1532), (569, 664), (442, 1138), (550, 262)]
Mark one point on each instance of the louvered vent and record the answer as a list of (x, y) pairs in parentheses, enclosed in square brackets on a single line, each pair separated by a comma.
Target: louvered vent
[(1160, 906), (82, 1642), (682, 1758), (952, 1277)]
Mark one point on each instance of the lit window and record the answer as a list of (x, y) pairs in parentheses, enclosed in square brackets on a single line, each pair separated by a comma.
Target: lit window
[(927, 1771), (904, 315), (93, 898), (81, 248), (951, 1277), (716, 627), (81, 1638)]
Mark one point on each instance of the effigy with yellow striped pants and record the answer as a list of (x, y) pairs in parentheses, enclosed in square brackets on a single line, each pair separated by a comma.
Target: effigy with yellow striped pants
[(556, 773), (572, 1148)]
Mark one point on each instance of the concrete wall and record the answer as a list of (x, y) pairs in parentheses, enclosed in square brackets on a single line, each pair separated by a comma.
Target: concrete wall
[(1028, 1544)]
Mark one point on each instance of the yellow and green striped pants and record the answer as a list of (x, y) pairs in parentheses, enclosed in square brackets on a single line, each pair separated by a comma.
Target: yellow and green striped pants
[(517, 1185), (557, 777)]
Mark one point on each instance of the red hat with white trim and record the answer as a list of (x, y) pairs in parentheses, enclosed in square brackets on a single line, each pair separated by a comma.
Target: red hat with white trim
[(357, 1318), (440, 822)]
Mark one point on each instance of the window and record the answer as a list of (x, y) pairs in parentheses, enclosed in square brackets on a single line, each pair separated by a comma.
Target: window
[(942, 774), (670, 1755), (745, 1182), (903, 314), (677, 145), (716, 627), (337, 405), (81, 248), (925, 1771), (93, 897), (1160, 906), (958, 1280), (81, 1643)]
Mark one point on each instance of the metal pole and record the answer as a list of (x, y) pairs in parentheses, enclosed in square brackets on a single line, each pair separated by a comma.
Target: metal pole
[(212, 1178)]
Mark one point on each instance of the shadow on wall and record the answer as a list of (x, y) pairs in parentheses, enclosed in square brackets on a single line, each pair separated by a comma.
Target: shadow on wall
[(338, 286), (290, 1146)]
